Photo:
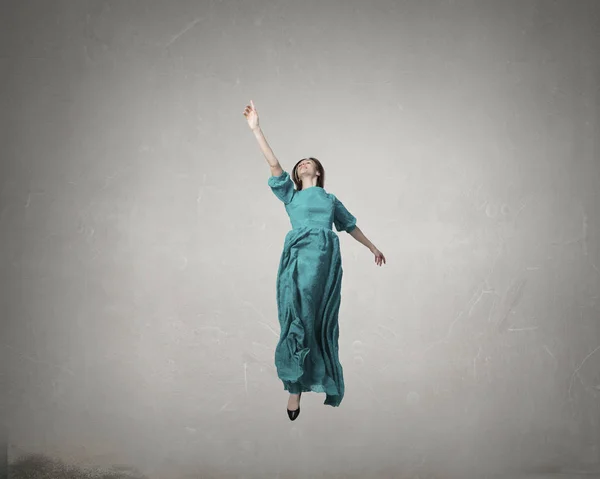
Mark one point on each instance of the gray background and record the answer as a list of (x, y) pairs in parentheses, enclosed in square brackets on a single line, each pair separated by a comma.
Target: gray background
[(140, 240)]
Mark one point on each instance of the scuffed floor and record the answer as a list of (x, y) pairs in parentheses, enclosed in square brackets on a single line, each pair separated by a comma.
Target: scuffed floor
[(39, 466)]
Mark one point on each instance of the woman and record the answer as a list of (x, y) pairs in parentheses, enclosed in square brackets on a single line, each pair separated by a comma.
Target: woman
[(309, 278)]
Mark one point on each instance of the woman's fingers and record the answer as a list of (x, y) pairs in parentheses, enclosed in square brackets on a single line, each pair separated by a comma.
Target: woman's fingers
[(380, 259)]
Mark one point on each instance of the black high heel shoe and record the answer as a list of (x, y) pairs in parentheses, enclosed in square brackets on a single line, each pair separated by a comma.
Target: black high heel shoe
[(294, 414)]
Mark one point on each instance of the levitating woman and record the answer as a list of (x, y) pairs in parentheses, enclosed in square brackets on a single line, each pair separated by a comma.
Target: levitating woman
[(309, 278)]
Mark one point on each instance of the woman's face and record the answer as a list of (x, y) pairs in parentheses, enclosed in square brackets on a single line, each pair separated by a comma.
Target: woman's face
[(306, 165)]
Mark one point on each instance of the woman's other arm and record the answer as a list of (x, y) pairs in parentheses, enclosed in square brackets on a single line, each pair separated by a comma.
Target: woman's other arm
[(359, 236)]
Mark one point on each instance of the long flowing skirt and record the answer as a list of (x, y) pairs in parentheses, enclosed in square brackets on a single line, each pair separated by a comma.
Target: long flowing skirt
[(309, 283)]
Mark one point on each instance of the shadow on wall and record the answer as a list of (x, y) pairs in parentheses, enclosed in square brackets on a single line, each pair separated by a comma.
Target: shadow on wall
[(38, 466)]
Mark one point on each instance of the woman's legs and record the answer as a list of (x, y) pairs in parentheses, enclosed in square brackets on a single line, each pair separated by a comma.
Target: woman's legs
[(293, 402)]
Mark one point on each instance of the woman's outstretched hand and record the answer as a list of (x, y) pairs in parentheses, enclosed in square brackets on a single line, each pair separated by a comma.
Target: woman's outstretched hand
[(251, 115), (379, 258)]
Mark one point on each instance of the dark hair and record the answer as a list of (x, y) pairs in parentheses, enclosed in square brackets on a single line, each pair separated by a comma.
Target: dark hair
[(320, 177)]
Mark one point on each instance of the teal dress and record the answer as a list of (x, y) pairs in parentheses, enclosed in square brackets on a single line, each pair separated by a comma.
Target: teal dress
[(309, 283)]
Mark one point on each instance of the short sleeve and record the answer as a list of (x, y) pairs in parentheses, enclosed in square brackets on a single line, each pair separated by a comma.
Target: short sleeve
[(282, 186), (342, 218)]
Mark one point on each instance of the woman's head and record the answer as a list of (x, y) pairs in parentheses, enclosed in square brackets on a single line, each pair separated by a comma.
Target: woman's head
[(308, 168)]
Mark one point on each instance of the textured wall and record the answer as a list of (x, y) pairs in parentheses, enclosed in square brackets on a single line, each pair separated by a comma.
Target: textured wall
[(140, 240)]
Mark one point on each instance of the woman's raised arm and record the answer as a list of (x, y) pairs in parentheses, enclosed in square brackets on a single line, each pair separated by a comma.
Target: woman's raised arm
[(252, 116)]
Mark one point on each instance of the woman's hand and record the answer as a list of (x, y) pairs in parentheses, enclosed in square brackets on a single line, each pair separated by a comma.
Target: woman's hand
[(379, 258), (251, 115)]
